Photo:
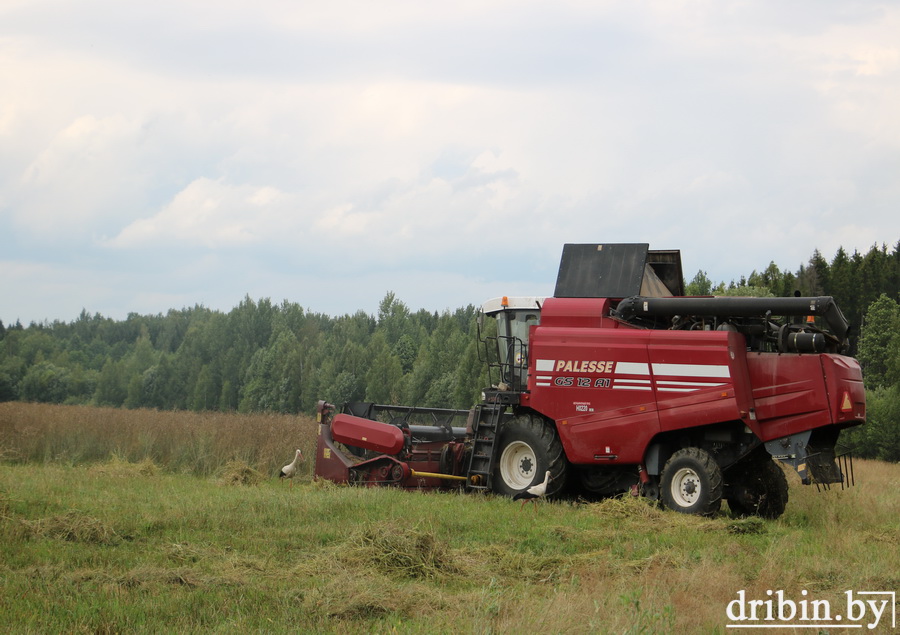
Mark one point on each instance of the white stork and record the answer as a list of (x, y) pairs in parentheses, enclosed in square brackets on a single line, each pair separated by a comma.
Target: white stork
[(289, 470), (534, 492)]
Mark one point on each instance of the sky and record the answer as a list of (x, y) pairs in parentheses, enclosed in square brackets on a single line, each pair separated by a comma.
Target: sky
[(160, 155)]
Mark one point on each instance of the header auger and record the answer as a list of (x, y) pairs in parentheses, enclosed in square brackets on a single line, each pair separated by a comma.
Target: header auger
[(617, 384)]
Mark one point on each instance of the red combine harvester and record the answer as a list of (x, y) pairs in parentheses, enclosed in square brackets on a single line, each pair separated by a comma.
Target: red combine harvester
[(618, 383)]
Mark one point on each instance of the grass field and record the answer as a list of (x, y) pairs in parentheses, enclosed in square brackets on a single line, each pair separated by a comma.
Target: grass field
[(117, 539)]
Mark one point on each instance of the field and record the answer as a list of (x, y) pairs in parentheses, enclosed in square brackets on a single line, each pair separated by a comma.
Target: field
[(122, 521)]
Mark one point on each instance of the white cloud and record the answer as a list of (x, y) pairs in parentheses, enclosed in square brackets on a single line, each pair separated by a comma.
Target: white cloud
[(80, 175), (301, 146), (342, 221), (210, 214)]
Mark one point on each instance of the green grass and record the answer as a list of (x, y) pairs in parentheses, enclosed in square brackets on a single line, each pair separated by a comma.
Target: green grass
[(99, 533), (118, 547)]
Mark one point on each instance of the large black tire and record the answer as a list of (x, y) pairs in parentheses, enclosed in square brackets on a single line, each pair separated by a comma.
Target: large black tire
[(757, 489), (529, 446), (692, 482)]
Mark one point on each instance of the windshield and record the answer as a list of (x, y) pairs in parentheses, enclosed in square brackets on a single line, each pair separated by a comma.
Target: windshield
[(512, 337)]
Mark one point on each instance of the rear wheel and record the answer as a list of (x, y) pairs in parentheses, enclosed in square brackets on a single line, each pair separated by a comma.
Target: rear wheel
[(758, 489), (527, 448), (692, 483)]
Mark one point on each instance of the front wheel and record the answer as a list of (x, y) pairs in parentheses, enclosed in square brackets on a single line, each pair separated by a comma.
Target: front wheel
[(692, 483), (528, 448)]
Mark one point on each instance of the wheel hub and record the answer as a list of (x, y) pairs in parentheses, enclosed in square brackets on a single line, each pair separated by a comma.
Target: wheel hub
[(526, 466), (518, 465), (686, 487)]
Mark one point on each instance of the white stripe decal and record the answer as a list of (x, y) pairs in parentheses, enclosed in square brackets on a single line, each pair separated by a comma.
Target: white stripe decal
[(663, 382), (619, 380), (619, 386), (692, 370), (661, 389), (632, 368), (544, 365)]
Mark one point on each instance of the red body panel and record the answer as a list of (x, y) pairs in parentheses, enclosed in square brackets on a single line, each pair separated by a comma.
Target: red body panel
[(788, 393), (611, 388), (843, 375), (793, 393), (365, 433)]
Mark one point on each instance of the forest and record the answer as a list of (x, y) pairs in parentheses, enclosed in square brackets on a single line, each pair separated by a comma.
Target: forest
[(266, 357)]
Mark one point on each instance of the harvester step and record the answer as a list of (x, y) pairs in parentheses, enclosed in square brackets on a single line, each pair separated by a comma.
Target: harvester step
[(487, 429)]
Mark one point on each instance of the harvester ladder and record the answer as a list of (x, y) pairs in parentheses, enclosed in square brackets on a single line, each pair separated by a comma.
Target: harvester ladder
[(484, 448)]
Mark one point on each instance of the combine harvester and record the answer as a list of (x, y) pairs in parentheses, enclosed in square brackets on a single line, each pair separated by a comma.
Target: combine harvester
[(618, 384)]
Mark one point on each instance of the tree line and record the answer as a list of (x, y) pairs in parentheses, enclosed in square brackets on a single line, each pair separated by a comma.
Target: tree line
[(258, 357), (267, 357)]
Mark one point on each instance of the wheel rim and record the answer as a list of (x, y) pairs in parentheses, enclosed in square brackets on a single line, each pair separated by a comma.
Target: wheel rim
[(686, 488), (518, 465)]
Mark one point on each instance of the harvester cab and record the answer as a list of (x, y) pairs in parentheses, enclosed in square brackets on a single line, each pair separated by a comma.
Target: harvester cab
[(505, 348)]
